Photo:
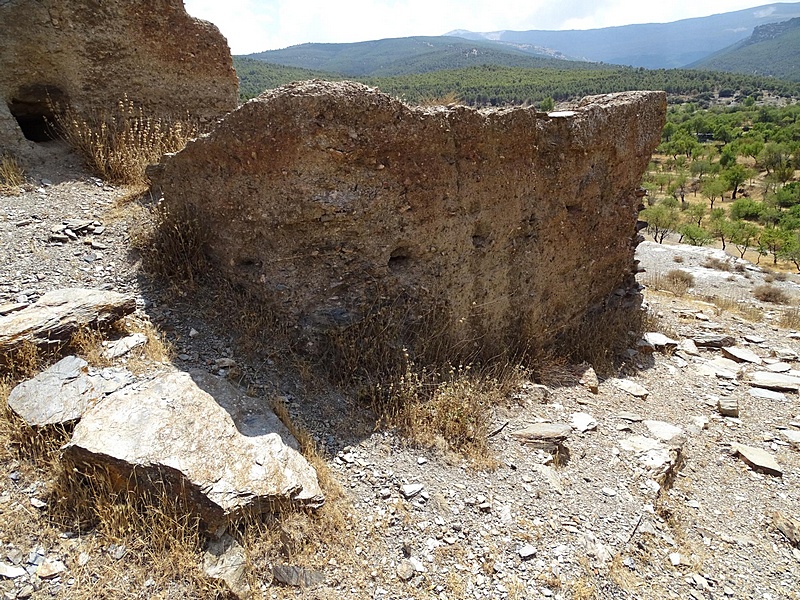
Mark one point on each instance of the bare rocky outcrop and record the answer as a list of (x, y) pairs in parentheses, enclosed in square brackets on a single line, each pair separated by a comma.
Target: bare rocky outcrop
[(513, 224), (91, 55)]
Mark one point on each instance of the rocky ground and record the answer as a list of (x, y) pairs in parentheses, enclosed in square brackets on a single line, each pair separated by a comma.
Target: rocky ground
[(683, 486)]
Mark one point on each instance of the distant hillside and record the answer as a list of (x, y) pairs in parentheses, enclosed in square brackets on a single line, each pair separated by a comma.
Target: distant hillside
[(654, 45), (402, 56), (773, 50), (255, 76), (493, 85)]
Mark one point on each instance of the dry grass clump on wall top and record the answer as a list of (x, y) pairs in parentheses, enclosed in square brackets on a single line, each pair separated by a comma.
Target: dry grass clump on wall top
[(119, 144)]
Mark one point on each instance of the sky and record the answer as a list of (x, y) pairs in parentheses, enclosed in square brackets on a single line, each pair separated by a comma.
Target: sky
[(257, 25)]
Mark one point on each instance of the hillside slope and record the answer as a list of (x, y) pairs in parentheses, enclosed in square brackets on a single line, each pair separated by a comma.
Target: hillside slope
[(653, 45), (402, 56), (773, 50)]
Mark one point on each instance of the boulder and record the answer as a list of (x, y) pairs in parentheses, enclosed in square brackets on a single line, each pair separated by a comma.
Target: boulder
[(329, 198), (60, 313), (216, 453), (63, 392), (91, 56)]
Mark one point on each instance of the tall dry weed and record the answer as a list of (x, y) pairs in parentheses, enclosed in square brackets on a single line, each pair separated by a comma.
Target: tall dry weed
[(12, 175), (119, 144)]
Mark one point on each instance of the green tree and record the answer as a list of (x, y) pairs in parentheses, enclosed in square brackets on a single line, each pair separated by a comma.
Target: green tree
[(695, 213), (661, 220), (773, 240), (713, 188), (743, 235), (694, 235), (734, 176), (547, 105), (719, 227)]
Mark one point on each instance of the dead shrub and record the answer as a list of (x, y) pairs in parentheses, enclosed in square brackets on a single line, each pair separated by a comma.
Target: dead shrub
[(790, 319), (771, 294), (676, 281), (172, 244), (118, 145), (713, 262), (12, 176)]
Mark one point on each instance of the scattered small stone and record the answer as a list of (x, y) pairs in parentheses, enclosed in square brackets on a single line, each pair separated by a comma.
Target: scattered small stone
[(124, 345), (297, 576), (629, 416), (766, 394), (754, 339), (193, 333), (662, 430), (50, 568), (660, 342), (632, 388), (527, 552), (728, 406), (405, 570), (583, 422), (778, 367), (117, 551), (609, 491), (675, 559), (774, 381), (758, 459), (10, 571), (589, 379), (689, 347), (742, 355), (410, 490), (36, 503), (792, 435)]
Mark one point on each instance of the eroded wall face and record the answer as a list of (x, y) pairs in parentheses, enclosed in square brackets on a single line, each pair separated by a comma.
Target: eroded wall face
[(93, 54), (514, 223)]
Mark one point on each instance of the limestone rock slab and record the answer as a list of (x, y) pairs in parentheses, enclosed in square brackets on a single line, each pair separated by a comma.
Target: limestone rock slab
[(758, 459), (170, 430), (64, 392), (59, 313), (774, 381)]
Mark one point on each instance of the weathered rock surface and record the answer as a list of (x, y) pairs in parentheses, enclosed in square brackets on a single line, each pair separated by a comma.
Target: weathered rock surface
[(171, 431), (482, 214), (225, 559), (93, 55), (64, 392), (774, 381), (758, 459), (58, 314)]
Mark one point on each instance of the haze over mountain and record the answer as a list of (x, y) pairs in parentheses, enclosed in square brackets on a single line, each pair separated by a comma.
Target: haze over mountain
[(654, 45), (772, 49), (402, 56)]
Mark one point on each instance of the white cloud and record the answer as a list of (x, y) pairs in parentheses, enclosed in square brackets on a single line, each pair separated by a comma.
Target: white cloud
[(255, 25)]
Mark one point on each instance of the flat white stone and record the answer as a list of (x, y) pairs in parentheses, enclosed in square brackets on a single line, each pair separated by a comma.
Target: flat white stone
[(582, 421), (758, 459), (742, 355), (774, 381), (792, 435), (662, 430), (778, 367), (766, 394), (630, 387)]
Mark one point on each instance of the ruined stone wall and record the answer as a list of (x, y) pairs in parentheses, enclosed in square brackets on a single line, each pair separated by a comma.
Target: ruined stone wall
[(90, 54), (516, 222)]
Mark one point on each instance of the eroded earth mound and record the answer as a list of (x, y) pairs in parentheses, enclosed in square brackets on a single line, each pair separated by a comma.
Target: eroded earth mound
[(511, 223), (90, 55)]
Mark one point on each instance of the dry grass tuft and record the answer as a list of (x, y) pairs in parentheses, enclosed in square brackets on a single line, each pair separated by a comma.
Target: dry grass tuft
[(771, 294), (790, 319), (171, 242), (715, 263), (736, 306), (118, 145), (12, 176), (675, 281)]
